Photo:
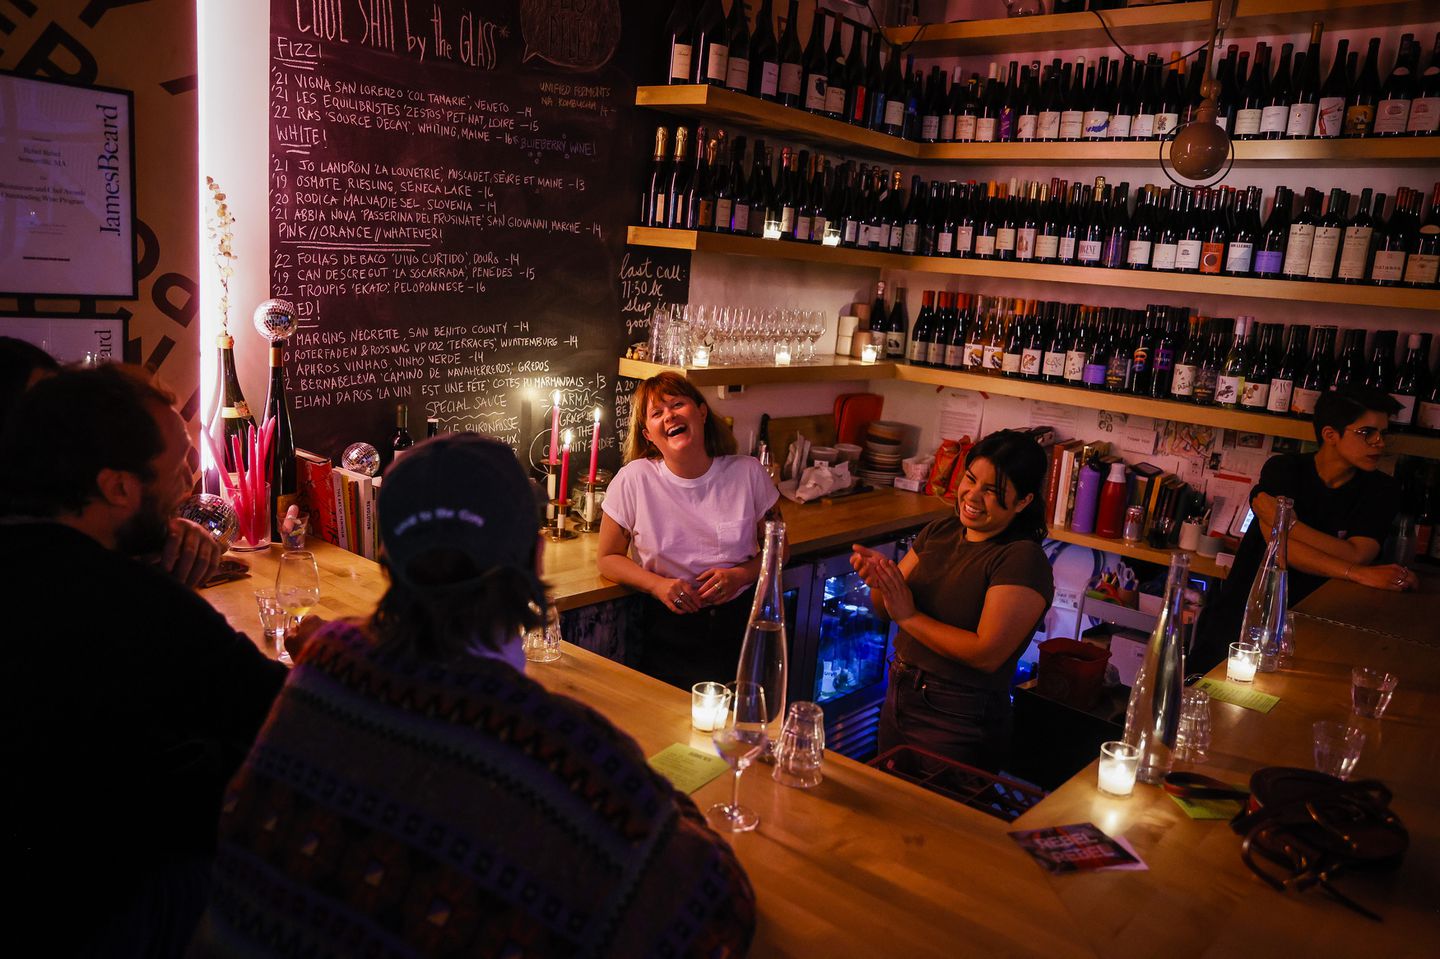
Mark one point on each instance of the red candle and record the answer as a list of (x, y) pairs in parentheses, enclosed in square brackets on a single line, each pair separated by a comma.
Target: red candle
[(565, 471), (554, 425), (595, 448)]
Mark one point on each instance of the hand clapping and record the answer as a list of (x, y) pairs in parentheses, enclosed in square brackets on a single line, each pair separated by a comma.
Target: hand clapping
[(884, 578)]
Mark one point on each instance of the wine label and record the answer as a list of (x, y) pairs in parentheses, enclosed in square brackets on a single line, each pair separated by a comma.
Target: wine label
[(985, 130), (964, 239), (787, 219), (944, 242), (740, 218), (1280, 395), (1053, 364), (737, 74), (1047, 245), (1094, 373), (1391, 116), (1330, 118), (802, 227), (1238, 257), (908, 237), (1164, 256), (954, 357), (819, 224), (1143, 127), (985, 244), (894, 113), (1302, 402), (1389, 265), (1089, 251), (965, 127), (769, 78), (1212, 257), (1025, 243), (680, 59), (1359, 119), (1297, 249), (717, 63), (897, 234), (1255, 396), (1067, 249), (1113, 252), (1424, 115), (1183, 382), (1165, 123), (1164, 359), (1096, 124), (1268, 262), (850, 234), (1301, 122), (1427, 417), (815, 92), (790, 80), (974, 355), (240, 411), (1228, 389), (834, 99), (919, 351), (930, 127), (1074, 365), (1010, 363), (1247, 122), (1005, 131), (1072, 123), (1273, 119), (1421, 269), (1222, 121), (1005, 239), (1405, 415), (1322, 252), (994, 357), (1026, 126), (724, 208), (894, 343), (1047, 126), (1120, 124), (1030, 360), (1354, 251), (947, 128), (1187, 255), (935, 353)]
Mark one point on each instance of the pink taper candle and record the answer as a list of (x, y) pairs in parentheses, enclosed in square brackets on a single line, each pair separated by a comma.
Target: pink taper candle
[(554, 426), (595, 448), (565, 469)]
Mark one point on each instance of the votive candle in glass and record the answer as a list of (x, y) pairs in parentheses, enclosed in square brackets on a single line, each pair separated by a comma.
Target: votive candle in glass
[(709, 702), (1118, 765), (1240, 667)]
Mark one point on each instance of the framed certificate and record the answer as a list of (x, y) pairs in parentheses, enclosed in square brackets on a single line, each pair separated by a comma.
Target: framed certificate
[(67, 190), (71, 339)]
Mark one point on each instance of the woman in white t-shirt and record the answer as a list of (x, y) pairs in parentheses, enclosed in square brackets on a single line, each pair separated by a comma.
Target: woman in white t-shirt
[(682, 522)]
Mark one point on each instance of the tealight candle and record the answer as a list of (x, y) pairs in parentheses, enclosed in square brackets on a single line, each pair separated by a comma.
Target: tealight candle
[(868, 353), (701, 356), (1240, 667), (709, 705), (1118, 763), (782, 357)]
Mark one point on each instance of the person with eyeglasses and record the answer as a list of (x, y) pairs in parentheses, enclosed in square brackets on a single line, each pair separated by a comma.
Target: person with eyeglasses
[(1344, 507)]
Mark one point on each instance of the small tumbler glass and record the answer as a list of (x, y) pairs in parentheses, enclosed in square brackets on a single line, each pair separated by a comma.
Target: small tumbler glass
[(801, 749), (1192, 743), (274, 621), (1337, 748), (1370, 691), (543, 645)]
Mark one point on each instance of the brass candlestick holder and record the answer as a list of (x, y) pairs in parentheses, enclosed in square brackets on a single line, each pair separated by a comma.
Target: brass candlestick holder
[(557, 512)]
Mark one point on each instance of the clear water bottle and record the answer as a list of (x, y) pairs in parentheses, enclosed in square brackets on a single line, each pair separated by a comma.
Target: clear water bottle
[(764, 657), (1267, 609), (1152, 719)]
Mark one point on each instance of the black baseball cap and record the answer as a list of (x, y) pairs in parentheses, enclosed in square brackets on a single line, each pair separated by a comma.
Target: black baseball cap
[(459, 491)]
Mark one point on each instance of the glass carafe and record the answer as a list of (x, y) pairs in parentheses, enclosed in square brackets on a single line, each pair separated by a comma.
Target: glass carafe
[(1266, 609), (1152, 720), (764, 657)]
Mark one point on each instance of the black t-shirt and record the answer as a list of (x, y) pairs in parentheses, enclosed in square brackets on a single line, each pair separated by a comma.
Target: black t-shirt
[(1365, 506), (127, 703)]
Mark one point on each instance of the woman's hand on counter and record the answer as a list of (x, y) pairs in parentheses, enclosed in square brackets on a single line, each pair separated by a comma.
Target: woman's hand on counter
[(1390, 576), (677, 594), (721, 584)]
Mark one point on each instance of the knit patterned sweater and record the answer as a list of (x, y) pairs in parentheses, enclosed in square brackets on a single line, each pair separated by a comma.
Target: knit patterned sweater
[(396, 808)]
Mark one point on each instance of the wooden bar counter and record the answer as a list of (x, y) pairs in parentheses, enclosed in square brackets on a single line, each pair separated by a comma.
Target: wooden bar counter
[(867, 865)]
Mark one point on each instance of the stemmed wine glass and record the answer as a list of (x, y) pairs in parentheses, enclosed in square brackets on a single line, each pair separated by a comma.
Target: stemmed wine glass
[(739, 741), (297, 584)]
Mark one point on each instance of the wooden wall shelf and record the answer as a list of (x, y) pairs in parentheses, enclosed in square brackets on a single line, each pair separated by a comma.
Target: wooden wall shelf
[(1199, 565), (1149, 25), (712, 104), (825, 369), (1290, 290)]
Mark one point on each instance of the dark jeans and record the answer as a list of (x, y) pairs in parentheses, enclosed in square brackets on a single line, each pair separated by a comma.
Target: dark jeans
[(960, 722), (683, 649)]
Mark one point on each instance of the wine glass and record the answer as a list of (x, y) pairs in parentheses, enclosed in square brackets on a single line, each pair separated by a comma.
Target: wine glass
[(739, 741), (297, 584)]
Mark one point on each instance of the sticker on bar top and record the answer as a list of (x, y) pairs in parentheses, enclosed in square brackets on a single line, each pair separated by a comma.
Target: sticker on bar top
[(1237, 695), (1080, 847), (1209, 808), (686, 767)]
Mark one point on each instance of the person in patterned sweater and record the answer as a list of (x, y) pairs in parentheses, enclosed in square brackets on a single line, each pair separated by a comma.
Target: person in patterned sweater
[(413, 793)]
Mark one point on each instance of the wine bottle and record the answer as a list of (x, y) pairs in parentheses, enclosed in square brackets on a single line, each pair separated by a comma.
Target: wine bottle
[(1425, 106), (1147, 91), (1270, 255), (1027, 231), (1254, 96), (1329, 232), (857, 79), (802, 177), (1410, 383), (400, 441), (1072, 115), (1392, 110), (1305, 101), (958, 335), (987, 115), (1211, 359), (1191, 239), (1230, 383), (1190, 98), (236, 419), (732, 204), (1330, 112), (1356, 243), (653, 203), (1098, 355), (1167, 230), (893, 119), (1422, 253), (679, 29), (1123, 100), (764, 54), (432, 427), (1167, 108), (1032, 352), (1380, 370), (706, 189), (791, 84), (1300, 241), (836, 92), (712, 46), (737, 70), (932, 106), (1287, 371), (1005, 225), (914, 92), (1162, 352), (1005, 124), (1255, 397), (676, 212), (1387, 262), (1095, 118), (1316, 376), (1027, 119), (896, 328), (1276, 112), (1350, 368), (1187, 362), (1240, 252), (1360, 110), (817, 68), (940, 330), (284, 475), (1427, 413), (1117, 229), (1212, 244), (1057, 345), (696, 184)]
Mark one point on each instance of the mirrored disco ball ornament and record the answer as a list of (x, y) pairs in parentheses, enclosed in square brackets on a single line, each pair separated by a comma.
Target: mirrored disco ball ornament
[(212, 513), (275, 320), (362, 458)]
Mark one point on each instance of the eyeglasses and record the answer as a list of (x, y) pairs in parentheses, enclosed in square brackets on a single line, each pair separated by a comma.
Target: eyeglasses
[(1370, 434)]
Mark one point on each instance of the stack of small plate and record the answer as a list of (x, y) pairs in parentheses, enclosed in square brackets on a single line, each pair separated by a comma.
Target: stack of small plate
[(881, 461)]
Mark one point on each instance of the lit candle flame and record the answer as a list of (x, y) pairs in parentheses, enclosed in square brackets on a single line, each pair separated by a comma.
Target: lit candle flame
[(597, 414)]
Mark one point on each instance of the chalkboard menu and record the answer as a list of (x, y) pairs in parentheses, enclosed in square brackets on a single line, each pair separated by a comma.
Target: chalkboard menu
[(450, 184)]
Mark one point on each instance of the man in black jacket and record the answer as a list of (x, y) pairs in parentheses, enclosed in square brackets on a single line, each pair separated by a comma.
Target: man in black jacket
[(128, 701)]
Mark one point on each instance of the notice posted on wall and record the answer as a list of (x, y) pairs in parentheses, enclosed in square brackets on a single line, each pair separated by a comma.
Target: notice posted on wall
[(67, 190)]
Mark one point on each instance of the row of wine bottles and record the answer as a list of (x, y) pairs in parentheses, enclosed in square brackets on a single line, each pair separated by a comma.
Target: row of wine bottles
[(1163, 352), (1204, 230), (1112, 99)]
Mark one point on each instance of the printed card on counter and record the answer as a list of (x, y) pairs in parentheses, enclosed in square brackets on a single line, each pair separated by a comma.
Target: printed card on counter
[(686, 767), (1080, 847), (1238, 695)]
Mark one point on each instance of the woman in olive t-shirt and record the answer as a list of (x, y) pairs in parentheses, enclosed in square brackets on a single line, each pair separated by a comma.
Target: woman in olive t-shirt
[(967, 598)]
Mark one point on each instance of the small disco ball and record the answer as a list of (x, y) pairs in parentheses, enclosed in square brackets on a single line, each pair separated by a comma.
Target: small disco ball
[(275, 320), (211, 512), (361, 458)]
